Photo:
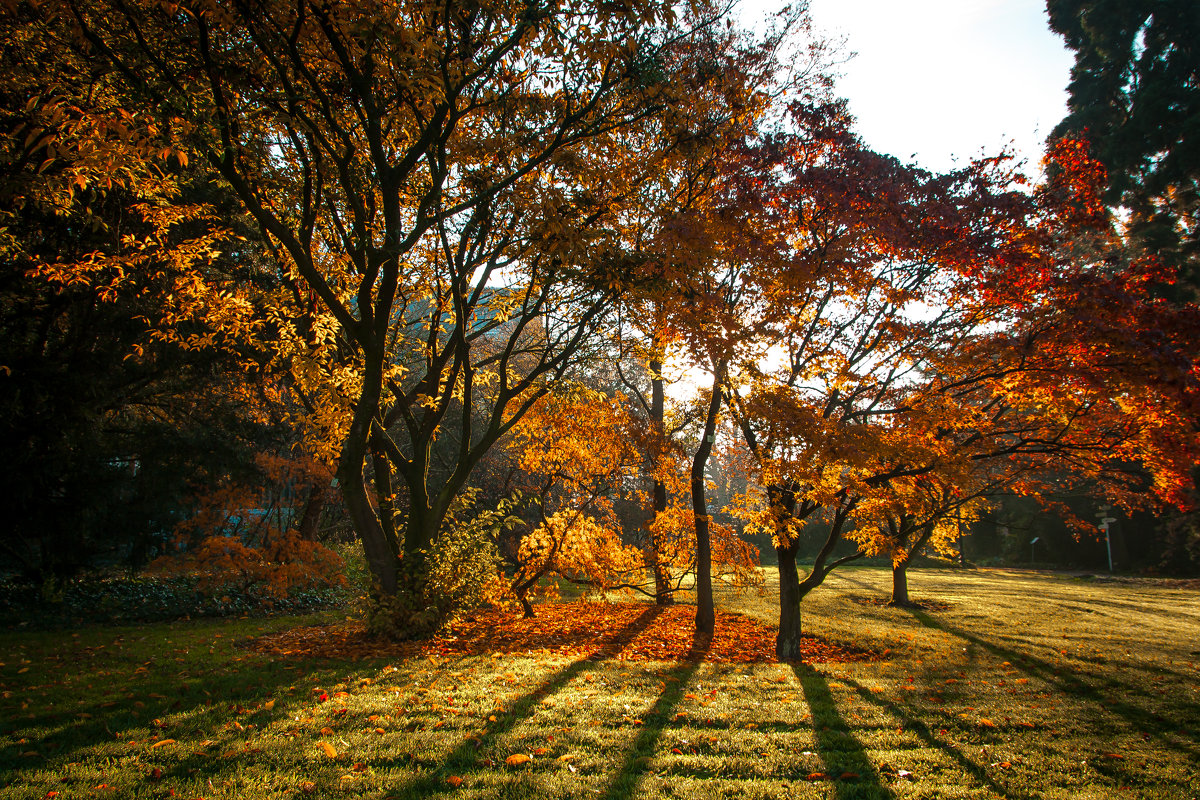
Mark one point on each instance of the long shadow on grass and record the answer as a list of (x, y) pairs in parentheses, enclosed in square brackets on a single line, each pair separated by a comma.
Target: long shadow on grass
[(837, 746), (625, 783), (464, 759), (1142, 720), (927, 736), (196, 693)]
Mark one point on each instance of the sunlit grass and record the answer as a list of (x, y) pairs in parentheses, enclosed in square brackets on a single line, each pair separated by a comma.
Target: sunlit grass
[(1024, 686)]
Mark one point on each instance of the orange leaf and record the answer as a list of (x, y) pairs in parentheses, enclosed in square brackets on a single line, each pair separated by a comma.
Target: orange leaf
[(329, 749), (517, 759), (454, 781), (162, 742)]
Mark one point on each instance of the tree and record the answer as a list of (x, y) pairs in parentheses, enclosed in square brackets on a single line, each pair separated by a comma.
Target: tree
[(1134, 96), (432, 177), (946, 322), (574, 451)]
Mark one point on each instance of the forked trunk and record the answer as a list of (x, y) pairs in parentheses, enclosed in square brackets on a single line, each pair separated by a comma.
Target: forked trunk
[(787, 642), (381, 559)]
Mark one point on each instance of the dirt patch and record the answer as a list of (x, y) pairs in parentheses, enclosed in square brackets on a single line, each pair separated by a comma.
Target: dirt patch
[(620, 631), (875, 600)]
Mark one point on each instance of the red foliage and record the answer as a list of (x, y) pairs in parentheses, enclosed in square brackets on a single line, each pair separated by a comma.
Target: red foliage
[(620, 631)]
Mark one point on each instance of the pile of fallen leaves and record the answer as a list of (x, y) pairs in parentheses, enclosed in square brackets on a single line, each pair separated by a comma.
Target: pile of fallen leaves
[(620, 631)]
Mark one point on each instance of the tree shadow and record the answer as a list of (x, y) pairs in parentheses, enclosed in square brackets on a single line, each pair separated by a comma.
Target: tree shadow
[(624, 785), (911, 723), (161, 697), (838, 748), (464, 759), (1143, 720)]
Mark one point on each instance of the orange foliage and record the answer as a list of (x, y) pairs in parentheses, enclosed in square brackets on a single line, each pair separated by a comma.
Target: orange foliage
[(281, 564), (575, 450), (231, 542), (620, 631)]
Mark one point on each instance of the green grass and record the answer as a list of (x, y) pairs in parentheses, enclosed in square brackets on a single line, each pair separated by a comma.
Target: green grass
[(1026, 686)]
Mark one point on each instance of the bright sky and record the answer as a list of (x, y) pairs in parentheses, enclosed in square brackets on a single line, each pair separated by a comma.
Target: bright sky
[(940, 80)]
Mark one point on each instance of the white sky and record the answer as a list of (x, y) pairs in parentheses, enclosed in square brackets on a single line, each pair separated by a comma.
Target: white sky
[(943, 80)]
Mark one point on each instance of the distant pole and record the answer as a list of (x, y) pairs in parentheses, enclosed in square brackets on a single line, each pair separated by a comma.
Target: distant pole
[(1105, 521), (1107, 543), (962, 560)]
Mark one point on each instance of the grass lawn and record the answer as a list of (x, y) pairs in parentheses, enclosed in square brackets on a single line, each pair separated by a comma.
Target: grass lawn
[(1020, 685)]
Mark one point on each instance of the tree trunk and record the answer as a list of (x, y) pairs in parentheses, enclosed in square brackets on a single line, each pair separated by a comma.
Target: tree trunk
[(787, 642), (382, 554), (310, 520), (900, 584), (662, 594), (381, 559), (706, 619)]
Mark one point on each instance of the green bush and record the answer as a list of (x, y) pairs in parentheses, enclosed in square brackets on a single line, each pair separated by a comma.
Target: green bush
[(451, 578)]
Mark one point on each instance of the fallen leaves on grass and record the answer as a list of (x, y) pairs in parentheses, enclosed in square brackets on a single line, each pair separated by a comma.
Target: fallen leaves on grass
[(876, 600), (622, 631)]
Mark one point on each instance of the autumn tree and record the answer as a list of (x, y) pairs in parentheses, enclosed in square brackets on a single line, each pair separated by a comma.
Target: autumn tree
[(573, 450), (911, 516), (696, 229), (944, 321), (431, 177)]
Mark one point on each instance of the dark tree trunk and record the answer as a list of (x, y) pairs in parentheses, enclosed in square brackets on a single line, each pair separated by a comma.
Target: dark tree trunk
[(381, 559), (662, 593), (381, 552), (787, 642), (706, 619), (310, 520), (900, 583)]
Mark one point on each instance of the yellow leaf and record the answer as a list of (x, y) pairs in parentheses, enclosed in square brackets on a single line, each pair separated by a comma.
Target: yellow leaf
[(329, 749), (269, 705)]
